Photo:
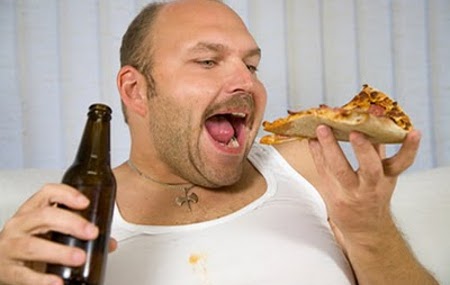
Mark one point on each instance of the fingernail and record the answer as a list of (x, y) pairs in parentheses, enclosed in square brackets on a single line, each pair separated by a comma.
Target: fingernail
[(322, 131), (54, 282), (78, 256), (91, 230), (82, 200)]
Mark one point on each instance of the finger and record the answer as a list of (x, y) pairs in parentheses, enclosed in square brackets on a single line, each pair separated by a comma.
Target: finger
[(112, 245), (334, 157), (368, 156), (316, 153), (381, 149), (42, 221), (33, 248), (22, 275), (55, 193), (405, 157)]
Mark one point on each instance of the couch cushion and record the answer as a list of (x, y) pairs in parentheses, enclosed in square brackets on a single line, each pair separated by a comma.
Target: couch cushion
[(421, 205), (16, 186)]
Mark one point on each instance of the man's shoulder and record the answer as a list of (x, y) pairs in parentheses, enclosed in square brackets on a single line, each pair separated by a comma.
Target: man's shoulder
[(297, 155)]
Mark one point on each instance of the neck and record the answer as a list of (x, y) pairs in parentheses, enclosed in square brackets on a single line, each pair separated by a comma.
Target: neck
[(186, 198), (143, 202), (154, 180)]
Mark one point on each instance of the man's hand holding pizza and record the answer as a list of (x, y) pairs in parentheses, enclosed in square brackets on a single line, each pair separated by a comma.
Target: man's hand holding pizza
[(359, 200), (358, 203)]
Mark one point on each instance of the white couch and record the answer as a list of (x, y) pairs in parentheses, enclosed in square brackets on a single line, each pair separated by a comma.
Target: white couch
[(421, 204)]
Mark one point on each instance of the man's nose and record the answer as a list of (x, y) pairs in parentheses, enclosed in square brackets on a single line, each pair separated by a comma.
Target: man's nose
[(240, 78)]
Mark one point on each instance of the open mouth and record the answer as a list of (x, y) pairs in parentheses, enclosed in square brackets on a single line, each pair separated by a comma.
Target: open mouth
[(227, 129)]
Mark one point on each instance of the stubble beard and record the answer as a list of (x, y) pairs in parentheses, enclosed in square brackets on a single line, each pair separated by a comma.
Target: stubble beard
[(177, 143)]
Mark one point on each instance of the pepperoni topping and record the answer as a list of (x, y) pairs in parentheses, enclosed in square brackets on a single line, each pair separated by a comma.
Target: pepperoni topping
[(377, 110)]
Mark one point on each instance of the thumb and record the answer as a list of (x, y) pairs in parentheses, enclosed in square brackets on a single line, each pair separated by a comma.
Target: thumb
[(113, 244)]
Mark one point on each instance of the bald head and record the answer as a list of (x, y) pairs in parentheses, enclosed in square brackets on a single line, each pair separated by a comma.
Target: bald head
[(137, 42), (164, 21)]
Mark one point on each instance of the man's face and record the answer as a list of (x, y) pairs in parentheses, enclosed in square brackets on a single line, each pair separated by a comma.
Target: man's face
[(209, 102)]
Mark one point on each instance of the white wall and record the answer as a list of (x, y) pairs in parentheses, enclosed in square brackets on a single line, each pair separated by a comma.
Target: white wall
[(59, 56)]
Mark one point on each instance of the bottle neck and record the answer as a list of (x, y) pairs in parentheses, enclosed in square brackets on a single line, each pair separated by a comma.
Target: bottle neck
[(94, 148)]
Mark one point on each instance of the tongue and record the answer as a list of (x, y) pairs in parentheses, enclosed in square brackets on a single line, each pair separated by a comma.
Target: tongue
[(220, 129)]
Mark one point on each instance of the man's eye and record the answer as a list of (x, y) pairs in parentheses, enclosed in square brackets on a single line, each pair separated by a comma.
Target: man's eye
[(252, 68), (208, 63)]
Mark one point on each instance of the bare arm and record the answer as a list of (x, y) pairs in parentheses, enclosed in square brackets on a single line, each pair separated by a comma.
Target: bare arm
[(386, 259)]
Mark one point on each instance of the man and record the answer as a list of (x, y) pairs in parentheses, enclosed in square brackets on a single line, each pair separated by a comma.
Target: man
[(198, 202)]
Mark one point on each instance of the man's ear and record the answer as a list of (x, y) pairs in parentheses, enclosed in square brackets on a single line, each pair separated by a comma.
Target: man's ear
[(133, 90)]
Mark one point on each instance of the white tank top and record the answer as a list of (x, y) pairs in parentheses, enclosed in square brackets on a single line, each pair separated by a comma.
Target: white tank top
[(281, 238)]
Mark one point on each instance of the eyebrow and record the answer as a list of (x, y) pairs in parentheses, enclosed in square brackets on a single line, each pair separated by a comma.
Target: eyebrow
[(205, 46)]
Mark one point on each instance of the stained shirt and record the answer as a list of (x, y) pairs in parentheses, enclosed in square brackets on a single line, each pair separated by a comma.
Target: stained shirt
[(281, 238)]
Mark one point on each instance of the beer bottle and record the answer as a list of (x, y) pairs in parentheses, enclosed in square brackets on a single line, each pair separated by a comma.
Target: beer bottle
[(91, 174)]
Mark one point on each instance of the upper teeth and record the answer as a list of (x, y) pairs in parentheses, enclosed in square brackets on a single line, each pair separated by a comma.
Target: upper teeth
[(240, 115)]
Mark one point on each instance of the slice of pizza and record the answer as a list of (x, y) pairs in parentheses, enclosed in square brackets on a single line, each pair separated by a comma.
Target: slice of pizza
[(371, 112)]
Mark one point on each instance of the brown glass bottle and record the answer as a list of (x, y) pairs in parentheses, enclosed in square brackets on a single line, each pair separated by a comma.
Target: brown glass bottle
[(91, 174)]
